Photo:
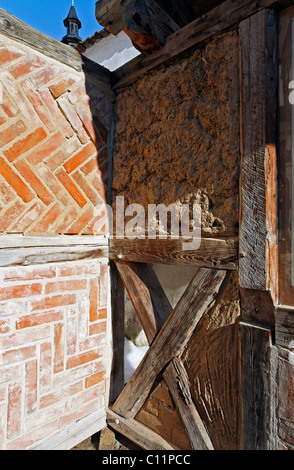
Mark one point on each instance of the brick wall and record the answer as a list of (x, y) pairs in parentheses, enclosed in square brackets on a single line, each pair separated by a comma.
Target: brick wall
[(53, 323), (53, 136), (54, 123)]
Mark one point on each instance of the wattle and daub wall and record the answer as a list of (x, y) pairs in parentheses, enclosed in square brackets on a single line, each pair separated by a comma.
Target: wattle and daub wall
[(54, 123), (177, 141)]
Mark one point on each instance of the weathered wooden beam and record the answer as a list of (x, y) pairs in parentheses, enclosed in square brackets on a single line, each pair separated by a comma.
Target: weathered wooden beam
[(212, 252), (147, 24), (170, 340), (259, 388), (108, 14), (144, 21), (137, 432), (25, 251), (117, 379), (284, 327), (147, 296), (227, 15), (178, 384), (258, 268)]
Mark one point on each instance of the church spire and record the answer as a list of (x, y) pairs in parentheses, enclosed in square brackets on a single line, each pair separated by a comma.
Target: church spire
[(73, 24)]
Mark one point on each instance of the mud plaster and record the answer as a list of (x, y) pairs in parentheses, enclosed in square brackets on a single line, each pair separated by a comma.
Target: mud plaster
[(177, 135)]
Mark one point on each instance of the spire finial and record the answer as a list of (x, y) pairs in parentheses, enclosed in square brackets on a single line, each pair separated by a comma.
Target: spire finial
[(73, 24)]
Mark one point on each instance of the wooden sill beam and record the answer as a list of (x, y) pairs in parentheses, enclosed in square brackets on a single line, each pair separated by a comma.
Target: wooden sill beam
[(212, 253), (17, 250)]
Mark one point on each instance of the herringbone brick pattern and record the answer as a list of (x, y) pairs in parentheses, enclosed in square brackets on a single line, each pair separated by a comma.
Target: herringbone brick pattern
[(54, 125), (53, 342)]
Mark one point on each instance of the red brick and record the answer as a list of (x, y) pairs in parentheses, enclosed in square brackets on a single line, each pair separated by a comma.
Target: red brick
[(58, 348), (81, 222), (11, 214), (78, 269), (62, 86), (87, 121), (14, 411), (71, 187), (67, 220), (30, 274), (99, 186), (38, 319), (2, 119), (95, 379), (61, 286), (43, 76), (31, 177), (7, 55), (83, 358), (27, 218), (74, 120), (55, 301), (15, 182), (56, 113), (6, 193), (16, 292), (54, 397), (102, 313), (12, 132), (97, 328), (93, 300), (103, 286), (25, 144), (26, 66), (80, 157), (31, 385), (17, 355), (46, 149), (8, 107), (4, 326), (43, 226), (45, 366), (89, 190), (35, 99)]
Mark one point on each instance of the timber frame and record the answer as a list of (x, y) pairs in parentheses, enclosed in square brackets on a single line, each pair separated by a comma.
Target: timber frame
[(264, 324)]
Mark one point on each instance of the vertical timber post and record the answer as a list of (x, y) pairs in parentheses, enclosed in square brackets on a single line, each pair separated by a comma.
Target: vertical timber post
[(258, 267)]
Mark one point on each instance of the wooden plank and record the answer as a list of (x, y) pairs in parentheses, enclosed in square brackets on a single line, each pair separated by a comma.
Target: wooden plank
[(108, 14), (171, 339), (257, 307), (212, 253), (147, 24), (20, 241), (137, 432), (227, 15), (75, 433), (36, 255), (147, 296), (179, 387), (259, 388), (258, 225), (18, 250), (14, 28), (284, 328), (117, 379)]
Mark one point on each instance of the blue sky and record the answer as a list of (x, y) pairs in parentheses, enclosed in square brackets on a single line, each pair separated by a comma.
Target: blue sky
[(47, 15)]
